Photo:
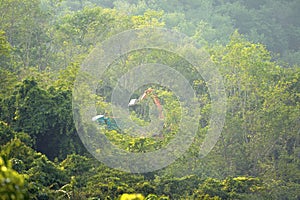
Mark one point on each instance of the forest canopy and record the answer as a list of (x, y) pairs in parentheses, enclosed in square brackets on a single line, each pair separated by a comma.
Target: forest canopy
[(255, 48)]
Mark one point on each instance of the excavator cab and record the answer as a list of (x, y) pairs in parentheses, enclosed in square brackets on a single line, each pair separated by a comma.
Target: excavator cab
[(133, 102)]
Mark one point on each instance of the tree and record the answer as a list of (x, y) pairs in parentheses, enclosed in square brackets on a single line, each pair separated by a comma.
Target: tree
[(76, 33), (25, 29), (51, 125), (5, 51), (262, 109), (12, 183)]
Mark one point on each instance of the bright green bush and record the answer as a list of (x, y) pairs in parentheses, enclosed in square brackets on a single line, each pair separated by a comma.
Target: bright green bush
[(11, 182)]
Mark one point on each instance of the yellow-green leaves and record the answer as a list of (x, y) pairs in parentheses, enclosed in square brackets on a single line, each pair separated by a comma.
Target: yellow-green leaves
[(11, 182), (150, 18), (132, 197)]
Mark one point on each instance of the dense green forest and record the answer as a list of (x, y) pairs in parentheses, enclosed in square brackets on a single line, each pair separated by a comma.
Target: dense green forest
[(255, 46)]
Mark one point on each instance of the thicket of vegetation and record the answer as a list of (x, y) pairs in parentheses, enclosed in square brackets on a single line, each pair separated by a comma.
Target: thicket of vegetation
[(43, 43)]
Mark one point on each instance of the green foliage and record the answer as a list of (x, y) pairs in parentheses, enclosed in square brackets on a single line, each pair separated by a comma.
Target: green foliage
[(12, 183), (51, 125), (257, 155), (66, 78), (76, 33), (132, 197), (5, 51), (214, 21), (150, 18), (26, 31), (7, 134), (230, 188), (8, 82), (41, 174), (78, 168), (256, 89)]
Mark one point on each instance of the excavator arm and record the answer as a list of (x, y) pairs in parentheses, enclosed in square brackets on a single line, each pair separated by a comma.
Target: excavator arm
[(155, 99)]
